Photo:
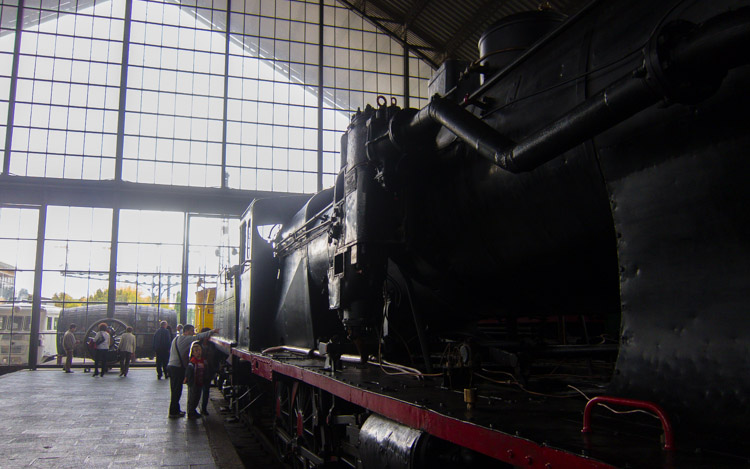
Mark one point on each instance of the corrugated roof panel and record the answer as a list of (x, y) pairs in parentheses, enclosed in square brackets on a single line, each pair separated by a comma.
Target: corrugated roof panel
[(448, 28)]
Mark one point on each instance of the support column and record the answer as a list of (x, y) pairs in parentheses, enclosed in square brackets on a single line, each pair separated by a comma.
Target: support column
[(113, 243), (36, 302), (123, 89), (224, 174), (13, 85), (406, 74), (185, 260), (320, 96)]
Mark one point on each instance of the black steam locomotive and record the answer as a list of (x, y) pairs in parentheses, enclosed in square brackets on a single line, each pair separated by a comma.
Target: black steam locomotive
[(565, 225)]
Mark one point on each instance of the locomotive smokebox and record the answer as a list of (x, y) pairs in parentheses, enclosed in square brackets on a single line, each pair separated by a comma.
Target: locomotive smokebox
[(359, 266)]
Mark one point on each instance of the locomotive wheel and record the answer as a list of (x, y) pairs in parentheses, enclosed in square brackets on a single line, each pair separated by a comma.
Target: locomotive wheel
[(282, 419), (306, 413), (297, 419), (119, 328)]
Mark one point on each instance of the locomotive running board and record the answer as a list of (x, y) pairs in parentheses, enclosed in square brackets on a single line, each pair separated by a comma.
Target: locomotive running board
[(508, 448)]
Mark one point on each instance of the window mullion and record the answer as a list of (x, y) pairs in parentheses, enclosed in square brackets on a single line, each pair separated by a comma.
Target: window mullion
[(13, 85), (320, 96), (224, 174), (123, 89)]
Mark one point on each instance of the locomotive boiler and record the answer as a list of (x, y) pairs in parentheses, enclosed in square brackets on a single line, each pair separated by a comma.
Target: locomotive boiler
[(564, 225)]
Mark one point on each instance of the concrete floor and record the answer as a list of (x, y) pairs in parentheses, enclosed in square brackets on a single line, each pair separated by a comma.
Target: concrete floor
[(58, 420)]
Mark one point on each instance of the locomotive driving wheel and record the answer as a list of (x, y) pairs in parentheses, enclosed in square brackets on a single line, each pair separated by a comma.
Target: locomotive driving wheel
[(116, 328), (282, 434), (298, 432)]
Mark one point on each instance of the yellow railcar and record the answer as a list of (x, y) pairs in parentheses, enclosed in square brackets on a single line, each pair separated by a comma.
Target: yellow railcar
[(204, 308)]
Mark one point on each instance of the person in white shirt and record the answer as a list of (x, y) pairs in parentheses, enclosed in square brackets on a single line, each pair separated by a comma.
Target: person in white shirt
[(127, 350), (103, 340)]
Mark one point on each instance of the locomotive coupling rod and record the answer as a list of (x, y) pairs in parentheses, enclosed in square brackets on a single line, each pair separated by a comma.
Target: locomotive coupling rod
[(721, 42)]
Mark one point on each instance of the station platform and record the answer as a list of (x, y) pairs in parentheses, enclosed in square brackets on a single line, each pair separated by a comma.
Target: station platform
[(70, 420)]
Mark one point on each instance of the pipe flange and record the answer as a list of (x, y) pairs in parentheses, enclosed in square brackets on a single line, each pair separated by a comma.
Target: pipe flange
[(396, 130)]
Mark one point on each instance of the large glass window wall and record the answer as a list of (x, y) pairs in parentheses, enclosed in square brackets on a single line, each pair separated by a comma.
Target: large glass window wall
[(238, 94), (213, 243), (175, 106), (18, 233), (359, 64), (210, 93), (8, 15), (76, 256), (155, 266), (75, 275), (149, 258), (272, 107), (67, 94)]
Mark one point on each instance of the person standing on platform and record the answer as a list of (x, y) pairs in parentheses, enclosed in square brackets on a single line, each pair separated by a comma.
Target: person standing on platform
[(179, 330), (178, 360), (69, 343), (211, 359), (103, 340), (127, 350), (195, 375), (162, 341)]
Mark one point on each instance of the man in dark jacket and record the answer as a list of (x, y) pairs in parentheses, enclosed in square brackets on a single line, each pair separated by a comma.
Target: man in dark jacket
[(69, 342), (162, 342)]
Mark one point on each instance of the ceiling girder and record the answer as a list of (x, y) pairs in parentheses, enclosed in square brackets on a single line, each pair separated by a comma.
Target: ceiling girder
[(360, 8), (129, 195), (414, 12)]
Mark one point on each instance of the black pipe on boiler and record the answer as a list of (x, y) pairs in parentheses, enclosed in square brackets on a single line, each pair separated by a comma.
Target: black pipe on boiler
[(690, 66), (620, 100), (470, 129), (690, 70)]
